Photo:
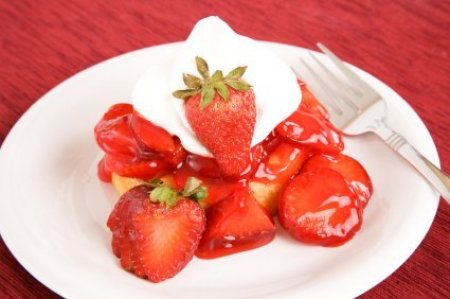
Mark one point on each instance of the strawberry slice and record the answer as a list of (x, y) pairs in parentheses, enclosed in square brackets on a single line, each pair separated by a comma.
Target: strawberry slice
[(221, 111), (235, 224), (156, 139), (103, 173), (319, 207), (146, 169), (178, 155), (113, 133), (118, 110), (204, 166), (309, 129), (155, 237), (349, 168), (270, 143)]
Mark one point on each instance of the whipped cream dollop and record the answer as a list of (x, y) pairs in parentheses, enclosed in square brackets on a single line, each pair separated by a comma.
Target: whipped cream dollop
[(277, 94)]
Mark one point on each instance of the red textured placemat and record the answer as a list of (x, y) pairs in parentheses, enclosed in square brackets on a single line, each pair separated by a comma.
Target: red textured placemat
[(406, 44)]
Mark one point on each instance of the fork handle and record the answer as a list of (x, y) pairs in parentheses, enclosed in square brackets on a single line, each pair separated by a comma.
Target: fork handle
[(438, 178)]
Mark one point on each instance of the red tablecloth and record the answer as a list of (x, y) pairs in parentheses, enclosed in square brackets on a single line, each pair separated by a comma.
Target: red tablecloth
[(404, 43)]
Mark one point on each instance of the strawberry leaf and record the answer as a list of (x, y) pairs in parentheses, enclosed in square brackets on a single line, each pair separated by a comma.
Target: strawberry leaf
[(165, 195), (207, 96), (155, 183), (239, 85), (208, 86), (222, 89), (200, 193), (192, 81), (169, 196), (237, 73), (217, 76), (191, 185), (194, 189), (202, 67), (184, 93)]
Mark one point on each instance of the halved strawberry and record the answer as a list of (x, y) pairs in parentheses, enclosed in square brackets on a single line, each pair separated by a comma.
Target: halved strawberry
[(118, 223), (319, 207), (222, 113), (157, 139), (113, 133), (155, 235), (309, 129), (165, 239), (349, 168), (235, 224), (146, 169)]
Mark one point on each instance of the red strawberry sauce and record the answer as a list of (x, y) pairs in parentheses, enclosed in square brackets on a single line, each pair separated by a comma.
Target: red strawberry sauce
[(124, 135)]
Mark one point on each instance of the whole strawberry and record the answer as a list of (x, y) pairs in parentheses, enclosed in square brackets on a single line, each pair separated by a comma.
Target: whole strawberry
[(222, 112)]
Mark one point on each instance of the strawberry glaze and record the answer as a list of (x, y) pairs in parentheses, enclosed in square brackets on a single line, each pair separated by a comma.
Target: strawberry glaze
[(273, 164)]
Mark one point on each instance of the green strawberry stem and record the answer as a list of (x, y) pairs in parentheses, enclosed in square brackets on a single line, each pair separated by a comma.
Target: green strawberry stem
[(161, 193), (207, 86)]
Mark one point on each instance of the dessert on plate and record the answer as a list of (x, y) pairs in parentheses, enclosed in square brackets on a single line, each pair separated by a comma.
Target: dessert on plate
[(217, 145)]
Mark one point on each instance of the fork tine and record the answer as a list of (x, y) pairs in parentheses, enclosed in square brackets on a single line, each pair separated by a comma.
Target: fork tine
[(338, 85), (352, 76), (323, 87)]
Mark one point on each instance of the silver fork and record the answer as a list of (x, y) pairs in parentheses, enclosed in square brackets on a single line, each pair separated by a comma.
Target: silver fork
[(356, 108)]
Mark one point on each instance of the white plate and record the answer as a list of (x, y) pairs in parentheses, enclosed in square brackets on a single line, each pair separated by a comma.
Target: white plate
[(53, 209)]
